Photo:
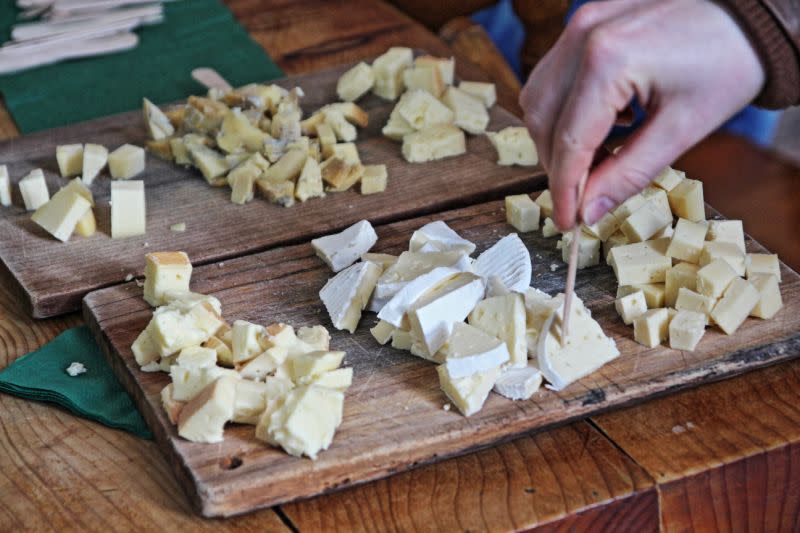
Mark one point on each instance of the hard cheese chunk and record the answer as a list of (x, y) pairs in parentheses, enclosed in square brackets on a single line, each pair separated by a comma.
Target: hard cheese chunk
[(70, 159), (33, 188), (518, 383), (176, 326), (686, 329), (468, 393), (603, 228), (61, 214), (740, 298), (128, 216), (95, 157), (653, 293), (514, 146), (421, 110), (374, 179), (158, 125), (388, 70), (484, 91), (726, 231), (681, 275), (5, 187), (470, 350), (126, 162), (631, 306), (652, 327), (644, 262), (545, 201), (204, 417), (425, 77), (354, 83), (588, 249), (686, 200), (763, 264), (645, 222), (165, 271), (341, 250), (446, 66), (770, 301), (714, 278), (504, 317), (432, 143), (469, 112), (668, 179), (87, 225), (688, 240), (724, 250), (346, 294), (692, 301), (522, 213)]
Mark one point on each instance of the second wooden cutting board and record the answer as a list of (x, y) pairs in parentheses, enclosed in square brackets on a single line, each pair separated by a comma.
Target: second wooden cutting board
[(51, 277)]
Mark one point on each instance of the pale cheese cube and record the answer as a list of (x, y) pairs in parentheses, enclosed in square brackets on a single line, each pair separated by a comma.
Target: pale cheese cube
[(309, 184), (615, 239), (626, 208), (421, 110), (770, 301), (327, 139), (128, 212), (588, 249), (468, 393), (484, 91), (714, 278), (171, 406), (545, 201), (388, 71), (250, 400), (347, 294), (726, 231), (645, 222), (347, 152), (126, 162), (95, 157), (382, 332), (652, 327), (549, 228), (204, 417), (189, 382), (668, 231), (659, 198), (686, 200), (33, 188), (470, 350), (631, 306), (61, 214), (653, 293), (144, 349), (356, 82), (432, 143), (668, 179), (424, 77), (726, 251), (342, 249), (518, 383), (70, 159), (173, 328), (374, 179), (446, 66), (469, 112), (680, 275), (522, 212), (265, 363), (223, 351), (642, 262), (686, 329), (196, 357), (740, 298), (165, 271), (305, 367), (504, 317), (514, 146), (688, 240), (396, 127), (604, 228), (690, 300), (339, 379), (246, 340), (5, 187), (763, 264), (401, 339)]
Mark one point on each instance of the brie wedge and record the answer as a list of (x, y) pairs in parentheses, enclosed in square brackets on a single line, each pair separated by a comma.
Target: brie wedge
[(395, 309), (469, 350), (341, 250), (346, 294), (518, 383), (441, 237), (509, 260)]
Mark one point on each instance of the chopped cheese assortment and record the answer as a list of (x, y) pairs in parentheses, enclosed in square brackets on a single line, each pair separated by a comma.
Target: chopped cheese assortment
[(286, 383)]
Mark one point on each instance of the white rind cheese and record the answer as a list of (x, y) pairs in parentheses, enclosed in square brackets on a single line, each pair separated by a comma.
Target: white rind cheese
[(518, 383), (395, 309), (346, 294), (509, 260), (470, 350), (468, 393), (341, 250), (504, 317), (441, 237)]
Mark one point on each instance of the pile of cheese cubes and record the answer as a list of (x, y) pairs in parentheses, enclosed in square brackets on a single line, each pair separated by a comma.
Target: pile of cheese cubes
[(423, 296), (287, 383), (432, 114), (675, 278)]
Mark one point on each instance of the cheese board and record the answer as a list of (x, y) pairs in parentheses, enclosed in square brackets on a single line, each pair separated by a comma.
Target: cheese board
[(51, 277), (394, 416)]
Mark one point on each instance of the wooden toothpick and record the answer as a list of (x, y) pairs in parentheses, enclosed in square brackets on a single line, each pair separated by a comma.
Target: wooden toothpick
[(572, 268)]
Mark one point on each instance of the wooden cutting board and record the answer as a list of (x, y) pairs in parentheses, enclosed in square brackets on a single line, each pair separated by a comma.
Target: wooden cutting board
[(393, 416), (51, 277)]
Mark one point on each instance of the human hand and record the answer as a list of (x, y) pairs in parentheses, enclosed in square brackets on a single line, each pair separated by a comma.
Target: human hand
[(688, 63)]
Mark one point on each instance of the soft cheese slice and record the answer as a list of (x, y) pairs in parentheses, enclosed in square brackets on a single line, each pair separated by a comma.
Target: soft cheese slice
[(341, 250), (33, 188), (586, 349), (395, 309), (204, 417), (441, 237), (504, 317), (158, 125), (518, 383), (5, 187), (433, 315), (468, 393), (470, 350), (346, 294), (411, 265), (509, 260), (61, 214)]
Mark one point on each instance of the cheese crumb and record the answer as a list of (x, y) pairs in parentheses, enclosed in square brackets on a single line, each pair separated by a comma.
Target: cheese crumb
[(446, 407), (553, 267), (76, 369), (129, 277), (179, 227)]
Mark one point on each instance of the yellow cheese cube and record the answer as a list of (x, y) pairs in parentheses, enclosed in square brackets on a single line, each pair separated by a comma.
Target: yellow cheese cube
[(588, 249), (630, 205), (374, 179), (179, 151), (61, 214), (128, 215), (605, 227), (545, 201), (645, 222), (522, 213), (763, 264), (281, 192), (653, 293), (658, 197), (641, 262), (388, 70), (504, 317), (714, 278), (484, 91), (327, 138), (726, 251), (615, 239), (87, 225), (770, 301), (237, 133), (680, 275), (307, 366), (726, 231), (446, 66), (347, 152), (739, 300), (382, 332), (668, 179), (33, 188), (693, 301), (468, 393), (549, 228), (126, 162), (688, 240), (222, 351), (354, 83), (421, 109), (70, 159), (95, 157), (686, 200), (514, 146), (436, 142), (424, 77), (470, 113), (165, 271), (686, 329), (288, 167), (652, 327), (631, 306), (144, 349)]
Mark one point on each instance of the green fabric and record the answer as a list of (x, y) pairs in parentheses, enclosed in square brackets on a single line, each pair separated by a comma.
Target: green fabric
[(96, 395), (195, 33)]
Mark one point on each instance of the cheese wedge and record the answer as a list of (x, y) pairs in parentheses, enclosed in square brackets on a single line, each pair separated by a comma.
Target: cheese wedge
[(341, 250), (518, 383), (346, 294), (538, 308), (204, 417), (397, 127), (33, 188), (61, 214), (355, 83), (509, 260), (440, 237), (70, 159), (128, 213), (470, 350), (126, 162), (157, 123), (95, 157), (395, 309), (410, 265), (468, 393), (504, 318)]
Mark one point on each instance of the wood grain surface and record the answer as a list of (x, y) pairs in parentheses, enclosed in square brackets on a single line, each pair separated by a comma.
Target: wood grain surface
[(53, 276), (394, 392)]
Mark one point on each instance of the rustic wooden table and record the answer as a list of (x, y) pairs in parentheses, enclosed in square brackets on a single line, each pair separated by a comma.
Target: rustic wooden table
[(724, 457)]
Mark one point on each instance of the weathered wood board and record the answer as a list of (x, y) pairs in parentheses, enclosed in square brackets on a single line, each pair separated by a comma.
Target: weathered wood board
[(394, 417), (52, 277)]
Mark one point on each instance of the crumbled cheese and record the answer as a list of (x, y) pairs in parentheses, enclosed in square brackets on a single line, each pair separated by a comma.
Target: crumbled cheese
[(76, 369)]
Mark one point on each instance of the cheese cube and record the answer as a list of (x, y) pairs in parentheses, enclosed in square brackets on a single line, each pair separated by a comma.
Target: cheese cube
[(549, 228), (421, 110), (347, 152), (763, 264), (342, 249), (681, 275), (306, 422), (514, 146), (144, 349), (278, 192), (740, 298), (180, 152), (250, 401), (171, 406), (652, 327), (603, 228), (522, 213), (61, 214), (688, 240), (309, 184), (165, 271), (686, 329), (388, 70), (209, 162), (545, 202), (382, 332), (126, 162), (726, 251), (204, 417), (238, 134), (432, 143), (305, 367), (645, 222), (174, 327), (347, 294), (653, 293), (327, 139), (518, 383), (265, 363), (288, 167), (659, 198), (686, 200), (70, 159), (354, 83), (446, 66), (643, 262), (668, 231), (95, 157), (631, 306), (5, 187), (468, 393), (668, 179), (246, 340), (770, 301), (196, 357), (615, 239), (714, 278), (128, 215), (726, 231), (401, 339), (485, 92), (588, 249), (374, 179), (222, 350), (339, 379), (690, 300), (33, 188), (242, 181), (470, 350), (424, 77), (626, 208), (396, 127), (504, 317), (470, 113)]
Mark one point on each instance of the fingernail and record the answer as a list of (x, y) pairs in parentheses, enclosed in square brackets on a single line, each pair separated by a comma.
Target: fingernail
[(595, 210)]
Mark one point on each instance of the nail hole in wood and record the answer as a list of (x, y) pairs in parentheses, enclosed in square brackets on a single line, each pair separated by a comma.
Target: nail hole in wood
[(231, 463)]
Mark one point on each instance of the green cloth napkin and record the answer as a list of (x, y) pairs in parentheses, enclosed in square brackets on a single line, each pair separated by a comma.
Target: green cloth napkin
[(194, 33), (96, 394)]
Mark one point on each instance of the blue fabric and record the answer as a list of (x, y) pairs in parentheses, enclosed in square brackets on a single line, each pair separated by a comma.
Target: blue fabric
[(505, 29)]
